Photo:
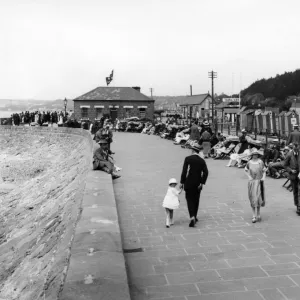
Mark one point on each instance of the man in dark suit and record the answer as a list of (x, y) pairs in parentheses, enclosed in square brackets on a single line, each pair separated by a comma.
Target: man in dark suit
[(243, 141), (291, 164), (193, 177), (294, 137)]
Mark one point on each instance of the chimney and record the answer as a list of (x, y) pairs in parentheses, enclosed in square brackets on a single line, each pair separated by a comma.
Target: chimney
[(191, 89), (138, 88)]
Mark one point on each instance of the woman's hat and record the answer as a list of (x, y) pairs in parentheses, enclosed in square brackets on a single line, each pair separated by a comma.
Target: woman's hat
[(286, 148), (173, 180), (102, 141), (255, 152), (197, 147), (244, 130), (206, 123)]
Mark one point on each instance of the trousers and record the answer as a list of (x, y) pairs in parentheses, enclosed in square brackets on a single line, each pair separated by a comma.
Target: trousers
[(294, 184), (274, 167), (192, 198)]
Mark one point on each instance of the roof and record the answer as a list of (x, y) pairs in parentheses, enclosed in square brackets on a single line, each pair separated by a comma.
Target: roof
[(221, 105), (246, 112), (282, 113), (231, 110), (291, 113), (114, 93), (195, 99)]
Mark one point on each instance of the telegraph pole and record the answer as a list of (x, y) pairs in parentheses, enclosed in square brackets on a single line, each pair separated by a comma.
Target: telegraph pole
[(212, 75)]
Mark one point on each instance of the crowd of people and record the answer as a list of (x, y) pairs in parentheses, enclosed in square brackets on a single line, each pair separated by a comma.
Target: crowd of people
[(39, 118), (257, 159)]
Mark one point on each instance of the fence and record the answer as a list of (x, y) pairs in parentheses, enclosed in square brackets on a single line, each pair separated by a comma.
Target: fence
[(234, 129)]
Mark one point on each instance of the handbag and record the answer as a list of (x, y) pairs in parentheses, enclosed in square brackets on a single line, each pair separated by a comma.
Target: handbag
[(262, 189)]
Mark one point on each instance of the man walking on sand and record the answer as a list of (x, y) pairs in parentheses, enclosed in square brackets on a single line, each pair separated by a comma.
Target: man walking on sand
[(193, 177)]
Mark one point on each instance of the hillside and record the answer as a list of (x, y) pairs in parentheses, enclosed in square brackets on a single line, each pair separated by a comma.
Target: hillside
[(275, 91), (32, 105)]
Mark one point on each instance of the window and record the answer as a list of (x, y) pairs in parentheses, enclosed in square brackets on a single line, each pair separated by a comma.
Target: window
[(84, 112), (128, 112), (142, 113), (99, 113)]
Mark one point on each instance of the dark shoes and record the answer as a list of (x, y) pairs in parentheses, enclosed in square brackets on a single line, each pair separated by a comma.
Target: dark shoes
[(192, 223), (196, 220), (116, 176)]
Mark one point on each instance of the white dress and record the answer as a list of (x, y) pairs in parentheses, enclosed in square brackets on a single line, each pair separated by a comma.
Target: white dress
[(171, 200)]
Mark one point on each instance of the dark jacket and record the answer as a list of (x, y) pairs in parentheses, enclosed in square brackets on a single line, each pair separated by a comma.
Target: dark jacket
[(195, 134), (294, 137), (105, 134), (275, 155), (292, 163), (194, 172), (244, 144)]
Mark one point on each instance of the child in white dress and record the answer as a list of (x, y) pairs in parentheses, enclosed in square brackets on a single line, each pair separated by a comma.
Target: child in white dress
[(171, 201)]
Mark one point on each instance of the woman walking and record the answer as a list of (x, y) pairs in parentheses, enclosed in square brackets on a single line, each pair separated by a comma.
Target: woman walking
[(205, 137), (256, 172)]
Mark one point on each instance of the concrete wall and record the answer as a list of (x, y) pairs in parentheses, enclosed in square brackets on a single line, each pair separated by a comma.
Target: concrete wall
[(70, 251), (121, 110)]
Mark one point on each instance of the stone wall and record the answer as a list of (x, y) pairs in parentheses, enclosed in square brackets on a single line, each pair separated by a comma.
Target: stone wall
[(45, 170), (59, 230)]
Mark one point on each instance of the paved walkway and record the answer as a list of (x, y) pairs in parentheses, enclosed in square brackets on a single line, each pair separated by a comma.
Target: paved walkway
[(225, 256)]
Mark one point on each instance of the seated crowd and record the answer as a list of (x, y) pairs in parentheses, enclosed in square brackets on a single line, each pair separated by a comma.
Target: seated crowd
[(216, 146)]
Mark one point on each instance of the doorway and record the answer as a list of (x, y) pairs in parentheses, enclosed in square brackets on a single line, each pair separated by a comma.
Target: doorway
[(113, 114)]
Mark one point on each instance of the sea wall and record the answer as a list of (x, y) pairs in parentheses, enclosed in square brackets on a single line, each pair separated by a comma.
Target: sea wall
[(43, 172)]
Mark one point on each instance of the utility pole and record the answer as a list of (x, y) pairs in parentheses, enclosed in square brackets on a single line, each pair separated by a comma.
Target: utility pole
[(151, 90), (191, 90), (212, 75)]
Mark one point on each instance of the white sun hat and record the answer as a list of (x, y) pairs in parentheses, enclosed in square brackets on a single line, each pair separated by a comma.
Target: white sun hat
[(172, 180)]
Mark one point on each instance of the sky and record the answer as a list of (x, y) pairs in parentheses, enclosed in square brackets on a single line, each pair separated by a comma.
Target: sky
[(52, 49)]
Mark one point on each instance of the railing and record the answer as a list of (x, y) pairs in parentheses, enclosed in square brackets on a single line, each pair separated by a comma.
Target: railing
[(234, 129)]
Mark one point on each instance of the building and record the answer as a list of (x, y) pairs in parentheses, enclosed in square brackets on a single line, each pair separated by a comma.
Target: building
[(227, 111), (115, 102), (295, 105), (197, 106)]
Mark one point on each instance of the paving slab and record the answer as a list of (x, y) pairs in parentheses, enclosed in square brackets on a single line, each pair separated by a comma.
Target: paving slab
[(225, 256)]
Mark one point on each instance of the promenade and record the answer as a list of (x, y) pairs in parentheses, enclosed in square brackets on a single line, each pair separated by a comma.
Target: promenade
[(225, 256)]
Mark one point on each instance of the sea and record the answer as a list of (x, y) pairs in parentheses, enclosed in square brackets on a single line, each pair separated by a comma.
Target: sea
[(7, 114)]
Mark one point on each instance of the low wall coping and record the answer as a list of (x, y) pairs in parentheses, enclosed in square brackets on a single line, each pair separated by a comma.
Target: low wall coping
[(97, 266), (96, 269)]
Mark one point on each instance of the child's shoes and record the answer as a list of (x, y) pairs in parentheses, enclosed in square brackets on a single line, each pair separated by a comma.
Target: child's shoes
[(168, 222)]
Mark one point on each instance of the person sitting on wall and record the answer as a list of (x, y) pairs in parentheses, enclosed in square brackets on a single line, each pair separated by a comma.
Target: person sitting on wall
[(102, 161), (106, 134)]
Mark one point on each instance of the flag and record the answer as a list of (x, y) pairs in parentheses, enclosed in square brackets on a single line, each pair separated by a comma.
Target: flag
[(110, 78)]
